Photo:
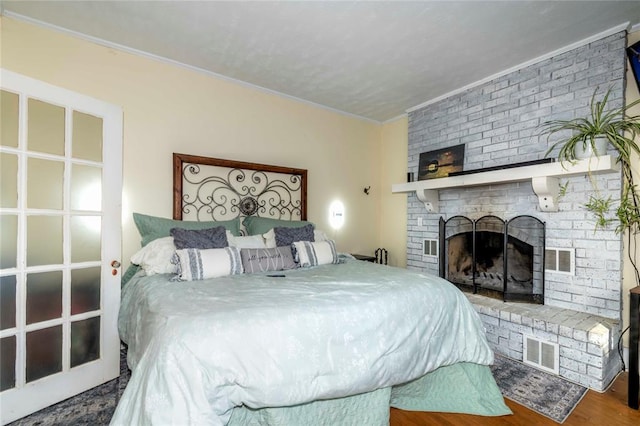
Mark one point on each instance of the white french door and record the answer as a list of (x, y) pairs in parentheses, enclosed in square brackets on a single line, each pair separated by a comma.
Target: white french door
[(60, 222)]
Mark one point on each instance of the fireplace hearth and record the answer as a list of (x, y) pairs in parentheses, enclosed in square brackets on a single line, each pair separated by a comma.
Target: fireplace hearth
[(493, 257)]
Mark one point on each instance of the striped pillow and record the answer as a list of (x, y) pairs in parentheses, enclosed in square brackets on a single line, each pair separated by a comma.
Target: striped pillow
[(196, 264), (315, 253), (267, 259)]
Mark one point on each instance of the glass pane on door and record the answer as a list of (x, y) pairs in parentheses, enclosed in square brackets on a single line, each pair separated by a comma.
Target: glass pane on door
[(85, 341), (44, 240), (86, 188), (85, 290), (7, 302), (45, 179), (46, 127), (9, 244), (44, 296), (43, 352), (9, 119), (7, 363), (87, 137), (8, 180), (85, 238)]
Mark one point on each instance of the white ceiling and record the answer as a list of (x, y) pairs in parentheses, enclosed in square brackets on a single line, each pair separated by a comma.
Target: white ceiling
[(370, 59)]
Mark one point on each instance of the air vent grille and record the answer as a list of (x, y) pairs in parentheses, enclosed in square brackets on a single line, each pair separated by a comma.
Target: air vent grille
[(560, 260), (541, 354), (430, 248)]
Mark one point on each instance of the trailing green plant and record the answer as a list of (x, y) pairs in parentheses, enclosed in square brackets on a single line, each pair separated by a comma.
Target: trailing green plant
[(614, 125), (562, 190), (600, 207), (621, 131)]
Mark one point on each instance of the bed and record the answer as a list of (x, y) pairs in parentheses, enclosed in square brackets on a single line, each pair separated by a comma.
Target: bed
[(240, 335)]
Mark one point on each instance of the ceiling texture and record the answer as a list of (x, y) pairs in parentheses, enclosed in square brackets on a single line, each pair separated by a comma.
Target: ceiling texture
[(374, 60)]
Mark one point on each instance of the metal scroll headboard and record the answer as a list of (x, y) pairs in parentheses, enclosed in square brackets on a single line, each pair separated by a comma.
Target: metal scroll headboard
[(207, 188)]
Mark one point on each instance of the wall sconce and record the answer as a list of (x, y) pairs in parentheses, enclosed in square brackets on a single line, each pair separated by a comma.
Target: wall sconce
[(367, 189), (336, 215)]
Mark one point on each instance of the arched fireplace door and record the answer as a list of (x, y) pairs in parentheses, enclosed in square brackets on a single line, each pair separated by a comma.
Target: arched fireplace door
[(493, 257)]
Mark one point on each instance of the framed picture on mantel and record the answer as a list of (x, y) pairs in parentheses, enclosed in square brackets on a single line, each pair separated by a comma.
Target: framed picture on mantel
[(440, 162)]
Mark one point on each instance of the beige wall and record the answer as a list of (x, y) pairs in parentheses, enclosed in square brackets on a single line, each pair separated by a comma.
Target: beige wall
[(629, 278), (393, 212), (168, 108)]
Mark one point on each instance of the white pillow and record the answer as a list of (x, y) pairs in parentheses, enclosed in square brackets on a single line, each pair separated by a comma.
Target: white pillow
[(196, 264), (320, 235), (316, 253), (246, 242), (270, 237), (155, 257)]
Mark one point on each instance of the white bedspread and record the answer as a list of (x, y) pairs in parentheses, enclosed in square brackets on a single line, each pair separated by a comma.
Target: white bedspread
[(198, 349)]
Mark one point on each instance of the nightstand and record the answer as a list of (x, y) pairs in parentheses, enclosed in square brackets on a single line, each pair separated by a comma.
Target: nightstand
[(364, 257)]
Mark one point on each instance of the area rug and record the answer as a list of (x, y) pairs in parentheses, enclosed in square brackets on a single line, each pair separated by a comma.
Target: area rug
[(94, 407), (545, 393)]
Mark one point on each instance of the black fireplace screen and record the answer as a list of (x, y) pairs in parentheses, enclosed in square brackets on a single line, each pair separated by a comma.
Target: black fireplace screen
[(493, 257)]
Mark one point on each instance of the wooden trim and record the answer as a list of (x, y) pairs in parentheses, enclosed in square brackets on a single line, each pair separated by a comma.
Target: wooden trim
[(180, 159), (634, 337)]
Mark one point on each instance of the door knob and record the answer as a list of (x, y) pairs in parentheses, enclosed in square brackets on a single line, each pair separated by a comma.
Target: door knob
[(115, 264)]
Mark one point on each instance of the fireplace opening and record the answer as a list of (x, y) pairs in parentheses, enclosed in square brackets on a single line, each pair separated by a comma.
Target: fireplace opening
[(495, 258)]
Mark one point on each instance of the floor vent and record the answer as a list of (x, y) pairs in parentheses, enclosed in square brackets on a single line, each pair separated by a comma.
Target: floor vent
[(541, 354)]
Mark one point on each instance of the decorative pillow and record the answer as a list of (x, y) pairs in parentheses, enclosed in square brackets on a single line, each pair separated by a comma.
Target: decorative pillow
[(319, 235), (260, 225), (199, 238), (270, 237), (246, 242), (267, 259), (151, 227), (287, 236), (155, 257), (312, 253), (195, 264)]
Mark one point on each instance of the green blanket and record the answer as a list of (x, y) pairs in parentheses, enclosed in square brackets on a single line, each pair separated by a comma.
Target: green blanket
[(459, 388)]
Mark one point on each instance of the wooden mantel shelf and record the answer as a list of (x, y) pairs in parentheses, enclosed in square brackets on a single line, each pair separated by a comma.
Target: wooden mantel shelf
[(544, 180)]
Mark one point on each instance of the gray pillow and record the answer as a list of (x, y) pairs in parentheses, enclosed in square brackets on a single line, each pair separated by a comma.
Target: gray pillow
[(288, 236), (267, 259), (200, 238)]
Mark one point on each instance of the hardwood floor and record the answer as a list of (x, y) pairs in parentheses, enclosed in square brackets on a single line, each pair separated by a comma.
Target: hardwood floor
[(608, 408)]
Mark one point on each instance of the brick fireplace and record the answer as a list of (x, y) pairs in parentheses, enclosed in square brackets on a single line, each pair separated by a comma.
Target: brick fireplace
[(498, 122)]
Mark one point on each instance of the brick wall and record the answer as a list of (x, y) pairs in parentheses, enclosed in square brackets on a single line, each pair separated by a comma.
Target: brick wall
[(499, 123)]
